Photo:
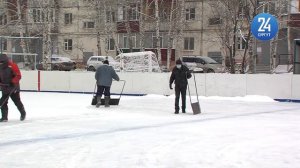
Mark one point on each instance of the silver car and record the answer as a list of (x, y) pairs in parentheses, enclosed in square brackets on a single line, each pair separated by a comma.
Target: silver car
[(207, 64), (95, 61)]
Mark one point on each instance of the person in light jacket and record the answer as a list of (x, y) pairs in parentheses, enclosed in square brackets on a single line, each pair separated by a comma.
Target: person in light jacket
[(104, 76)]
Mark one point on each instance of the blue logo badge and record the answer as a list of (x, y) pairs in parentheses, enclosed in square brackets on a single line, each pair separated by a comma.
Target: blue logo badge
[(264, 26)]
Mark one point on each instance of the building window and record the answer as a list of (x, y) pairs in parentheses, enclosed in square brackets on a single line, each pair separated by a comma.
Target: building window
[(133, 41), (154, 42), (268, 7), (111, 44), (125, 42), (121, 13), (36, 14), (133, 12), (68, 18), (3, 20), (130, 13), (40, 16), (4, 44), (163, 15), (88, 25), (214, 21), (241, 43), (189, 43), (190, 14), (110, 17), (285, 7), (68, 44)]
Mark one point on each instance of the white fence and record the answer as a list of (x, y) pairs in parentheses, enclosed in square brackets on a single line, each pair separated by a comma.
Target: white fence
[(277, 86)]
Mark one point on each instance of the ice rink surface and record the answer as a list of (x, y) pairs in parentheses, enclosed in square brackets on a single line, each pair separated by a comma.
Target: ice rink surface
[(65, 131)]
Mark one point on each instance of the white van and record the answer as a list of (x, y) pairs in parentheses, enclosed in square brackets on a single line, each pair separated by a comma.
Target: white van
[(95, 61)]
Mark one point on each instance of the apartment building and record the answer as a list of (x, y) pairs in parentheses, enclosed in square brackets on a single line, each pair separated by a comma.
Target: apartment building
[(294, 22), (79, 29), (87, 28), (82, 28)]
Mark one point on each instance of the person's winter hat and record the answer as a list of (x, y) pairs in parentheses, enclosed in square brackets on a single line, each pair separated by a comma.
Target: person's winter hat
[(3, 58), (3, 61), (106, 62), (178, 62)]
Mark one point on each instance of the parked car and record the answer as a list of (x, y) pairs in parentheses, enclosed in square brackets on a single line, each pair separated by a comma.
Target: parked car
[(207, 64), (58, 63), (62, 63), (95, 61)]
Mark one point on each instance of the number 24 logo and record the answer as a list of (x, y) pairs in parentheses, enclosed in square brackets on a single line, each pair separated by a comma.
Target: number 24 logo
[(265, 25)]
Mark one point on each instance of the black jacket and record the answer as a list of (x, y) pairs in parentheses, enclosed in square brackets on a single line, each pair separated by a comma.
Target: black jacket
[(6, 75), (180, 76)]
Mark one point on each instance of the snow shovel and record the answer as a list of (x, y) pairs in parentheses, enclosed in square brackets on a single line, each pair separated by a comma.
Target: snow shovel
[(112, 101), (196, 105)]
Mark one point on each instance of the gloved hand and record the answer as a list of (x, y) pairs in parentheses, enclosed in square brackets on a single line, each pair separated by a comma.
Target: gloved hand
[(171, 86), (13, 84)]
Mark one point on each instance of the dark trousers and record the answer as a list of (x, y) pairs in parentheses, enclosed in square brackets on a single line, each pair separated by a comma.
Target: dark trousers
[(16, 99), (101, 89), (180, 90)]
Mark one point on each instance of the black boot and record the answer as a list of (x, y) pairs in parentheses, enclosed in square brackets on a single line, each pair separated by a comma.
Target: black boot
[(4, 116), (3, 120), (23, 113), (98, 101), (23, 116), (183, 107), (106, 99)]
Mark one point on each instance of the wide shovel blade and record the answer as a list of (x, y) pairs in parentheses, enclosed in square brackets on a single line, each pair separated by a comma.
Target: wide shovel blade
[(196, 108), (112, 101)]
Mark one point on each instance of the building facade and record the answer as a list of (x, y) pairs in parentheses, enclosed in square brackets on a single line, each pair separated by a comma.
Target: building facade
[(82, 28)]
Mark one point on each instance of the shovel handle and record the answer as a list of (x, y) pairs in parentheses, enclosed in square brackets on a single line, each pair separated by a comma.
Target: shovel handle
[(124, 82)]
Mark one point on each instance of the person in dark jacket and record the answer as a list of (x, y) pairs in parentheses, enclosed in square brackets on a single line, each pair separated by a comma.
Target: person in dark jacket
[(104, 76), (180, 74), (10, 76)]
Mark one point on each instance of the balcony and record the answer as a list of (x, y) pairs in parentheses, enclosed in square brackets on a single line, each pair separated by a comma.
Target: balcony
[(294, 20), (133, 25)]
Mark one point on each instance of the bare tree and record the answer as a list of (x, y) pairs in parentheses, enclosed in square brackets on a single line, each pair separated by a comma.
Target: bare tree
[(249, 11), (157, 31), (233, 19), (44, 18), (170, 33), (14, 13)]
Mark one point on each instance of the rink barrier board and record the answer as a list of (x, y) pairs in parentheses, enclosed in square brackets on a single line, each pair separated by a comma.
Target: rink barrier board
[(45, 91), (276, 86), (288, 100), (279, 100)]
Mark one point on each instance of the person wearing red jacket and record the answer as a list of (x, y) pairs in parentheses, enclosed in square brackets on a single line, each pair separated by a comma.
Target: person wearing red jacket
[(10, 76)]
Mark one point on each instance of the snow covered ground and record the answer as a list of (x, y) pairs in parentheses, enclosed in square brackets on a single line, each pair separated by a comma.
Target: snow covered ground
[(65, 131)]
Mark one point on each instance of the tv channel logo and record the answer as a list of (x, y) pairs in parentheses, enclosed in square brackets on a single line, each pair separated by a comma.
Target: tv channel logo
[(264, 26)]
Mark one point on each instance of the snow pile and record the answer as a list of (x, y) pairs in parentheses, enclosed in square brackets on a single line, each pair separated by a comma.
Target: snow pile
[(138, 62), (283, 69)]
